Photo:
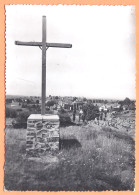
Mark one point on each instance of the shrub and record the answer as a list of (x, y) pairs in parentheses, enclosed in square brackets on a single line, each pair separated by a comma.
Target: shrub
[(21, 120), (64, 119), (126, 101), (132, 106), (37, 101), (22, 117), (19, 109), (24, 105), (90, 111), (11, 113), (50, 103), (62, 111)]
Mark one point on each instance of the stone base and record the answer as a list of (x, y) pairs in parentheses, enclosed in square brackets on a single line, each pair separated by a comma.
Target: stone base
[(42, 134)]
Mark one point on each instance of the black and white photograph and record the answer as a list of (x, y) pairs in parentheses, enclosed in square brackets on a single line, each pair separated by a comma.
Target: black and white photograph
[(70, 102)]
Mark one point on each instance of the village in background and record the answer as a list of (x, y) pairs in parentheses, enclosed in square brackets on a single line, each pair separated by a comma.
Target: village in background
[(20, 107)]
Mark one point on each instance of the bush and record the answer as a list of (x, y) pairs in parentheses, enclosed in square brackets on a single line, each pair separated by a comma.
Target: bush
[(37, 101), (126, 101), (11, 113), (50, 103), (132, 106), (34, 110), (24, 105), (19, 109), (21, 120), (62, 111), (90, 111), (22, 117), (64, 119)]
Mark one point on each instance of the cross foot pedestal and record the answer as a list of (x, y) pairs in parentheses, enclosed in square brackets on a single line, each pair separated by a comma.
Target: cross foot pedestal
[(42, 134)]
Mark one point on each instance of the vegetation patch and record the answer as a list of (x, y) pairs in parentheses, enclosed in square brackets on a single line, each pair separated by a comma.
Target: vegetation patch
[(88, 159)]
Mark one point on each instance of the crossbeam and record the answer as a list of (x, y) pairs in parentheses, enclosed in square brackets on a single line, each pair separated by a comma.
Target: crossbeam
[(59, 45), (28, 43)]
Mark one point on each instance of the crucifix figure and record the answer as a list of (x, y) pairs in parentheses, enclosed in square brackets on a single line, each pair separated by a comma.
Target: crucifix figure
[(44, 46)]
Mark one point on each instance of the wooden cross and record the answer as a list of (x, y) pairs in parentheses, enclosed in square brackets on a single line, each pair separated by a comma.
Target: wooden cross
[(44, 46)]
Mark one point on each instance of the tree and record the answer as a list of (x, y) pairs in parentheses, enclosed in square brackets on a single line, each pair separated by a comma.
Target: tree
[(120, 102), (89, 101), (84, 99), (28, 101), (37, 101), (105, 101), (50, 103), (132, 106), (75, 98), (56, 97), (127, 101), (90, 111)]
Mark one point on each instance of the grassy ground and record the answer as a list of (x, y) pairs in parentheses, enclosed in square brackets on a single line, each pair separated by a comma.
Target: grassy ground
[(89, 158)]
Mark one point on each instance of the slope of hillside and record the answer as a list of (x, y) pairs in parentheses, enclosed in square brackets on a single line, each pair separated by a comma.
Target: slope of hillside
[(91, 157)]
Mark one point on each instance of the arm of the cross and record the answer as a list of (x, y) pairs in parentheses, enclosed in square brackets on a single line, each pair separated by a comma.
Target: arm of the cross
[(28, 43), (60, 45)]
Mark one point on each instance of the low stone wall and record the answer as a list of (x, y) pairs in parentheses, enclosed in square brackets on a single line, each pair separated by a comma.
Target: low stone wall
[(42, 134), (125, 123)]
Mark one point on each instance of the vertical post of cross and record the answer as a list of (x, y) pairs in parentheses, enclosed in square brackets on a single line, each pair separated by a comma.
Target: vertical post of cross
[(43, 65)]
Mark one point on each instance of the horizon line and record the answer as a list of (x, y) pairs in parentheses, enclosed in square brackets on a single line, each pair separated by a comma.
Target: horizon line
[(72, 96)]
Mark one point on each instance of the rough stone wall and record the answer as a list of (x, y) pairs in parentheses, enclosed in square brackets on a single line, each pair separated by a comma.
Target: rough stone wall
[(126, 123), (42, 136)]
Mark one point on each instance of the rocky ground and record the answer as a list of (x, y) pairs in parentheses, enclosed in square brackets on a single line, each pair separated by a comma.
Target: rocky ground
[(124, 121)]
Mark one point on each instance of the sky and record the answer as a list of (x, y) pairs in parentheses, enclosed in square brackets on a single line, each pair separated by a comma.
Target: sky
[(100, 64)]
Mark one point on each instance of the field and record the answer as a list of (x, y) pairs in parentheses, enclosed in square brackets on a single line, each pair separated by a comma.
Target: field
[(91, 158)]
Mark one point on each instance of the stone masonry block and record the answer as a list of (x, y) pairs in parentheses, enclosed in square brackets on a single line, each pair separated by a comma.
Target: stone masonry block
[(54, 133), (53, 139), (42, 133)]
